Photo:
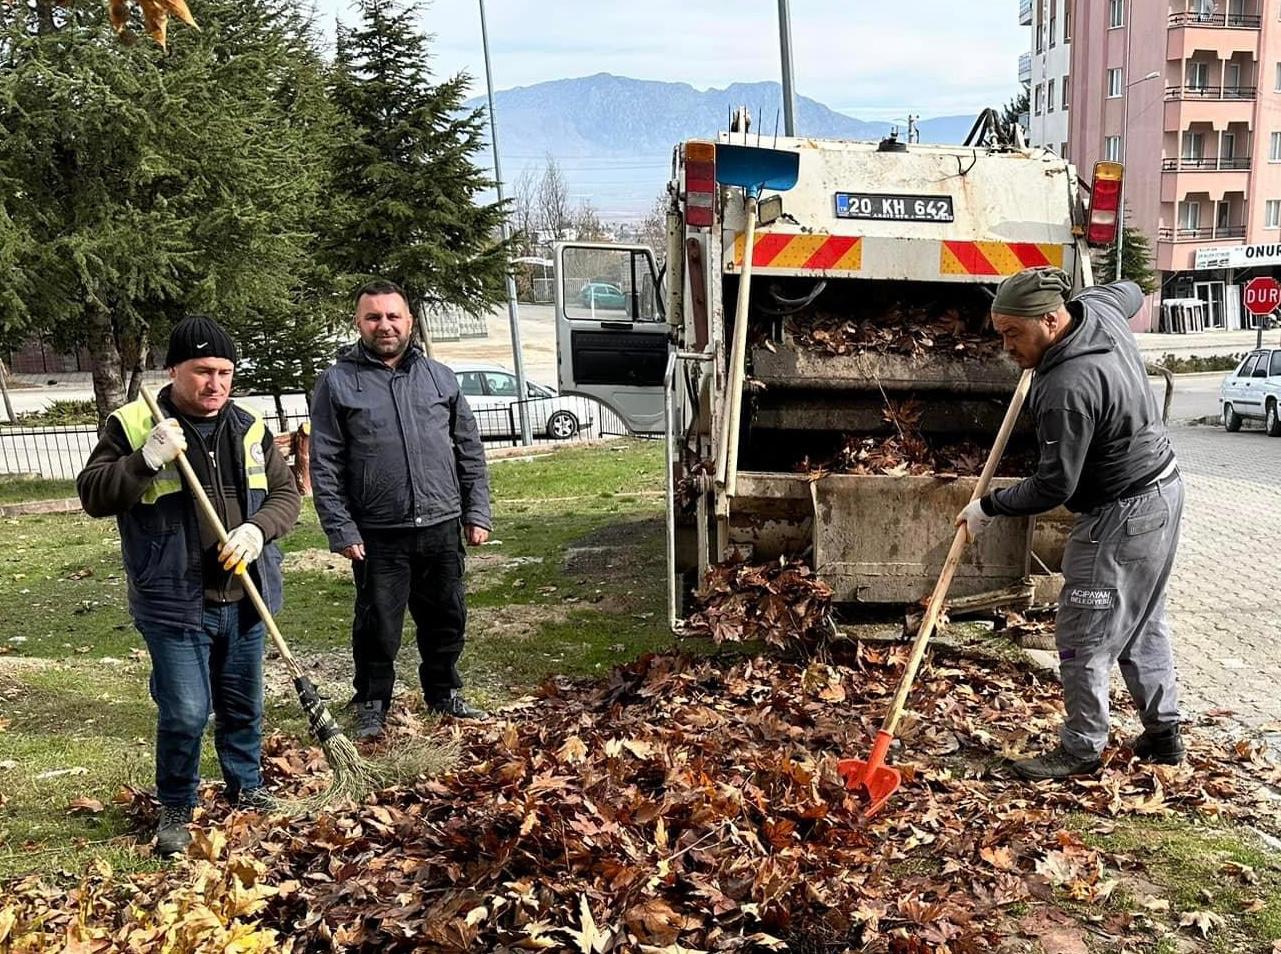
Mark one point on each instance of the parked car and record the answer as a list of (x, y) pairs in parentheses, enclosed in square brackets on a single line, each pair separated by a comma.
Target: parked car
[(1253, 390), (603, 296), (491, 393)]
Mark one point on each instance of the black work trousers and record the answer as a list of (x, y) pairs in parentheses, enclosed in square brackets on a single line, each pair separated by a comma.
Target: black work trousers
[(418, 568)]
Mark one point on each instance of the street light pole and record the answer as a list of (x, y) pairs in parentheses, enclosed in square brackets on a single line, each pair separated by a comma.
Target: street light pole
[(518, 358), (789, 90), (1125, 148)]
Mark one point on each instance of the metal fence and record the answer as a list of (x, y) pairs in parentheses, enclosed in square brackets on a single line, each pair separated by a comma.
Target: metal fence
[(59, 453)]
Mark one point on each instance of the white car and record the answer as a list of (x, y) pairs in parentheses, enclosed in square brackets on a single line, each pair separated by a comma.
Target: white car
[(491, 393), (1253, 390)]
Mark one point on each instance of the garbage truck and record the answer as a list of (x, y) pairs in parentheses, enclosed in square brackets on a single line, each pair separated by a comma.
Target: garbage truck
[(866, 350)]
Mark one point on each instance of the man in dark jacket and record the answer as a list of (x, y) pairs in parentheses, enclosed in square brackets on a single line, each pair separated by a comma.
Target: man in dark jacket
[(398, 473), (1105, 454), (185, 591)]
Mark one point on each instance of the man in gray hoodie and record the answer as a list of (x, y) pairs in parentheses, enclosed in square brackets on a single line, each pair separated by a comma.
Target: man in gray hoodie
[(398, 472), (1105, 454)]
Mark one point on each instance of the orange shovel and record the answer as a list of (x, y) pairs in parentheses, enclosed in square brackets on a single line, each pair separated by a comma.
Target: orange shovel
[(873, 778)]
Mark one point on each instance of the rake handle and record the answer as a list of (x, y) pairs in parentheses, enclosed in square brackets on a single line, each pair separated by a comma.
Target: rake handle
[(728, 471), (934, 607), (206, 508)]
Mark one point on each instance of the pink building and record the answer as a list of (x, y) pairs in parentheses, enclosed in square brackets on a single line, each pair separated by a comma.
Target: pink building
[(1187, 93)]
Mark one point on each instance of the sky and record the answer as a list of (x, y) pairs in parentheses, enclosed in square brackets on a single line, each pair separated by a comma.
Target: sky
[(867, 58)]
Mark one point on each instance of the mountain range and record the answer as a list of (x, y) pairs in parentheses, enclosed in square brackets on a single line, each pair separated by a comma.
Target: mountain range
[(612, 136)]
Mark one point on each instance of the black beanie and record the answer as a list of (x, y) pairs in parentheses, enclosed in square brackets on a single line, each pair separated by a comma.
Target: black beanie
[(199, 337)]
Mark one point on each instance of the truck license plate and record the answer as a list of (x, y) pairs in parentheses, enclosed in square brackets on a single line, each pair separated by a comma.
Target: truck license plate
[(900, 208)]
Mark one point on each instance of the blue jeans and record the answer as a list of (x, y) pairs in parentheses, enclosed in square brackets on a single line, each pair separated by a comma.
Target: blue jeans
[(218, 669)]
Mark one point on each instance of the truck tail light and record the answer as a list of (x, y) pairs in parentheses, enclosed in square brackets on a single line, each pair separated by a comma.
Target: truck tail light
[(700, 183), (1105, 203)]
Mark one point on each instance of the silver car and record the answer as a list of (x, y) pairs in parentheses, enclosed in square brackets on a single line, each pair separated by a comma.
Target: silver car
[(491, 393), (1253, 390)]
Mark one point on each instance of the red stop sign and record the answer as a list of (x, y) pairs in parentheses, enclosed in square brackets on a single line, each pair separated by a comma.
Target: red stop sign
[(1262, 295)]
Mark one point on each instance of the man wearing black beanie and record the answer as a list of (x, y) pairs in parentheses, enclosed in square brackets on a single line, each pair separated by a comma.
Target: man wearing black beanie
[(185, 594)]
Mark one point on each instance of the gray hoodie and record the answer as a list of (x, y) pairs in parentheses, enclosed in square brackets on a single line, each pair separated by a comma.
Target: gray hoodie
[(1098, 424), (394, 448)]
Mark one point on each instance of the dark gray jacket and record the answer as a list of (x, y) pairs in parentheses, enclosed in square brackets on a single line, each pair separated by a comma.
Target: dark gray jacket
[(394, 448), (1098, 423)]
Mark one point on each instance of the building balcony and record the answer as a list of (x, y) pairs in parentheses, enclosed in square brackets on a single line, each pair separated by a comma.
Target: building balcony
[(1217, 113), (1212, 177), (1217, 20), (1025, 67), (1205, 93), (1220, 234), (1025, 12), (1184, 42), (1207, 164)]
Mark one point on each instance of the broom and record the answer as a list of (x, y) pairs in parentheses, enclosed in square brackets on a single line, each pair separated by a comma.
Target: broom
[(354, 776)]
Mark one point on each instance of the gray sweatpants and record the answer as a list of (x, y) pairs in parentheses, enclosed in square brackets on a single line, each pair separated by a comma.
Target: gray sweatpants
[(1112, 610)]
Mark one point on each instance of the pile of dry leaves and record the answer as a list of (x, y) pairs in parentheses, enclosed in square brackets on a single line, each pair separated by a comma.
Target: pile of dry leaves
[(907, 452), (899, 329), (678, 805), (782, 603)]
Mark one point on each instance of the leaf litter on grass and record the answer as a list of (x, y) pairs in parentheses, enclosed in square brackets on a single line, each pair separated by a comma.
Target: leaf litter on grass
[(677, 804)]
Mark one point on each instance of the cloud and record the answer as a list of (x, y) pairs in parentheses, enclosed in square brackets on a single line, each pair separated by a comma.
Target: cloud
[(868, 59)]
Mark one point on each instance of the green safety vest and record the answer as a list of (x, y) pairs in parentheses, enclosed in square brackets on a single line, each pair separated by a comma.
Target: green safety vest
[(135, 417)]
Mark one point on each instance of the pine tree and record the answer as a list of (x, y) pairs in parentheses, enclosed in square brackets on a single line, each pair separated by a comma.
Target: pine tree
[(144, 185), (1136, 262), (407, 174)]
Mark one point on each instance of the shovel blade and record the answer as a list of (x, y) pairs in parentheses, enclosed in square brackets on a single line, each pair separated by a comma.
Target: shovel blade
[(754, 168), (875, 783)]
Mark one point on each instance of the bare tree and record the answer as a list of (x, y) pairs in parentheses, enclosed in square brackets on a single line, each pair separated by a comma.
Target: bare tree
[(554, 211), (653, 228), (524, 211), (588, 226)]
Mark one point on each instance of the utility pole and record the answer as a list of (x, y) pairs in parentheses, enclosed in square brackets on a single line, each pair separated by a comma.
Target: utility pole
[(518, 357), (789, 89)]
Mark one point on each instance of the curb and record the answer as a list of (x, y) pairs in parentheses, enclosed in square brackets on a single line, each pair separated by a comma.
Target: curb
[(65, 505)]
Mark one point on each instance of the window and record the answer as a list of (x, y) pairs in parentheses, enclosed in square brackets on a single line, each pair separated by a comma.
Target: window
[(1114, 83), (1038, 97), (1223, 215), (1116, 11), (1274, 147), (1065, 93), (1274, 368), (469, 382), (1054, 23), (1067, 21), (1277, 84), (1198, 75), (1272, 214), (1190, 216), (1049, 96), (1248, 366), (1112, 148), (1194, 145), (500, 385), (1040, 38), (1261, 369), (1062, 150)]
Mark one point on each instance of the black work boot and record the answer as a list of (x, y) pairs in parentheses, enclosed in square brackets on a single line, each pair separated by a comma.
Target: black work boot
[(370, 717), (1056, 764), (454, 705), (172, 837), (1162, 745)]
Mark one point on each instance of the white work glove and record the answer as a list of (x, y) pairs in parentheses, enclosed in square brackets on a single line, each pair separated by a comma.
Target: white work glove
[(243, 546), (164, 443), (973, 519)]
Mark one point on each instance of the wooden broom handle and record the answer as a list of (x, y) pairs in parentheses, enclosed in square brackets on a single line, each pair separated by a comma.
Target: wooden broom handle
[(206, 508), (934, 607)]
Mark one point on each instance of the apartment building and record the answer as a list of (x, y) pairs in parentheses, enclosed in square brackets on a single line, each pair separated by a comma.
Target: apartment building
[(1187, 93), (1044, 70)]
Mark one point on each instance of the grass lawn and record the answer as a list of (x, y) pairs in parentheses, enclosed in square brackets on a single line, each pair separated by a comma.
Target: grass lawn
[(572, 584), (568, 586), (24, 489)]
